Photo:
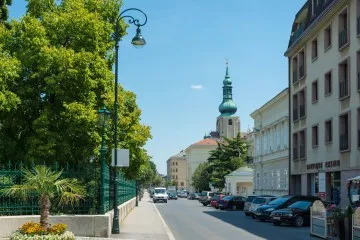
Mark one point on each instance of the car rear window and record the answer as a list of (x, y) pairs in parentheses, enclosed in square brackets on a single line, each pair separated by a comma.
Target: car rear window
[(211, 194), (259, 201), (279, 201), (204, 194), (250, 198), (227, 198)]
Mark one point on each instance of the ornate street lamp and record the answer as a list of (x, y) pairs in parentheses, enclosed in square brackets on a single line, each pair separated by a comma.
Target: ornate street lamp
[(137, 41), (104, 115)]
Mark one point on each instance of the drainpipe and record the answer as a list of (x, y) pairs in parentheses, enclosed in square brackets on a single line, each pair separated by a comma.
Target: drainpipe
[(290, 147)]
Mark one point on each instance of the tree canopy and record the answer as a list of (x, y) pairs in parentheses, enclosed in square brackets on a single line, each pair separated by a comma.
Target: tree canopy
[(55, 73), (226, 158), (201, 177)]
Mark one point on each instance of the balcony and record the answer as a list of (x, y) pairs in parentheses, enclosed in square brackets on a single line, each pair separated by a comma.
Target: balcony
[(344, 89), (302, 111), (343, 38), (295, 76), (344, 142), (295, 114), (295, 154), (358, 25), (301, 71), (302, 152)]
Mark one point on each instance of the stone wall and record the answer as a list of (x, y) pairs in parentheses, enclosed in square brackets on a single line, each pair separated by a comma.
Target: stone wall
[(80, 225)]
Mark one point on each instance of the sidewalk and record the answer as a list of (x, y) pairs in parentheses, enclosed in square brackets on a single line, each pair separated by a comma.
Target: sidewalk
[(144, 223)]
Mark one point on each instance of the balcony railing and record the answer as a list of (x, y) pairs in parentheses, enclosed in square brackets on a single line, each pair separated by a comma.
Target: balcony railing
[(302, 152), (301, 71), (302, 111), (343, 38), (358, 25), (295, 153), (344, 89), (295, 114), (295, 76), (358, 81), (344, 141)]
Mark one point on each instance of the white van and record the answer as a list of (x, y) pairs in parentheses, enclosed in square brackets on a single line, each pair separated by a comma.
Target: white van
[(160, 195)]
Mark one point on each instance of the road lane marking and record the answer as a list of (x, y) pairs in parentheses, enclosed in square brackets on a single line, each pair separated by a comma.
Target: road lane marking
[(167, 229)]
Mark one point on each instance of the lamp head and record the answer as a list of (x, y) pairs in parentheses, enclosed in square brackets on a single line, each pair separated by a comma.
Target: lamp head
[(138, 41)]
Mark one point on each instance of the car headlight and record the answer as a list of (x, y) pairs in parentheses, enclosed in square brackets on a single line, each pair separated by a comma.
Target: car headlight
[(270, 209)]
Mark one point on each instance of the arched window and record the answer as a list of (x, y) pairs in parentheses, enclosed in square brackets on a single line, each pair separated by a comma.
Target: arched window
[(230, 122)]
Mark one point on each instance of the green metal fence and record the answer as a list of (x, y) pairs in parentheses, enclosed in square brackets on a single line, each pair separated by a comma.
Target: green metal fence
[(90, 175)]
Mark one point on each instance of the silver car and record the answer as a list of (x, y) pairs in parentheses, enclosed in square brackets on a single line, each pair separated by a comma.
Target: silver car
[(248, 201), (258, 202)]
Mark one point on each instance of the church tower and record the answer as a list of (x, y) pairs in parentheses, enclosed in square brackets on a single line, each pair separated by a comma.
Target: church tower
[(227, 124)]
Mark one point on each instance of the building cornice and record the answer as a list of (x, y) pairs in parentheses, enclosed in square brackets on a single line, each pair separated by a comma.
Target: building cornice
[(315, 26), (270, 103)]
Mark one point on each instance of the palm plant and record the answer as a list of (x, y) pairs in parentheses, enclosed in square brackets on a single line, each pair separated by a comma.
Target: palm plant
[(48, 185)]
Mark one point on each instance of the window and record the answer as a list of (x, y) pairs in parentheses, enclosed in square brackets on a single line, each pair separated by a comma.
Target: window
[(344, 130), (358, 65), (182, 184), (295, 108), (343, 29), (302, 103), (230, 122), (314, 49), (301, 64), (257, 180), (295, 146), (176, 170), (286, 135), (328, 83), (302, 144), (173, 163), (358, 17), (358, 127), (295, 69), (314, 6), (176, 163), (328, 131), (315, 136), (344, 83), (327, 37), (315, 94)]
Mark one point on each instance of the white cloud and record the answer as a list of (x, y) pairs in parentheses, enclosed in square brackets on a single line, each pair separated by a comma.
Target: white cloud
[(197, 87)]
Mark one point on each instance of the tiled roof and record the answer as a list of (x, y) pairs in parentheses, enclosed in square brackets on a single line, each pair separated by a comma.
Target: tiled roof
[(206, 141)]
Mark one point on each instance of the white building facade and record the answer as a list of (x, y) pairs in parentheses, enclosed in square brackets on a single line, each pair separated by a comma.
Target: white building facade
[(271, 146), (324, 84)]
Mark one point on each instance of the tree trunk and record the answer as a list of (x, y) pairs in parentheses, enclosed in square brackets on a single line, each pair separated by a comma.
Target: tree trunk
[(45, 205)]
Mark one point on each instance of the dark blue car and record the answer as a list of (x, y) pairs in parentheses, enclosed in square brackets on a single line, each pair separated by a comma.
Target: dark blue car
[(232, 202)]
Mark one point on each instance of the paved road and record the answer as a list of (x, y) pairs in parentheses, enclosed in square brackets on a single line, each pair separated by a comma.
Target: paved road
[(188, 219)]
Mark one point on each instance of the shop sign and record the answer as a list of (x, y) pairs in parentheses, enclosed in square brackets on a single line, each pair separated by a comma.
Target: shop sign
[(320, 165)]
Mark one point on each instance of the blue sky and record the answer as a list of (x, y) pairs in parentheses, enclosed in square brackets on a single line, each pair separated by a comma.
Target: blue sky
[(188, 42)]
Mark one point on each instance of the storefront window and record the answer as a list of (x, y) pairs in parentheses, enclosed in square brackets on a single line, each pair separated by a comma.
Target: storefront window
[(316, 184), (335, 185)]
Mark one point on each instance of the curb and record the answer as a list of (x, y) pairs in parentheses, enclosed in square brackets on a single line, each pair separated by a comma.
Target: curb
[(167, 229)]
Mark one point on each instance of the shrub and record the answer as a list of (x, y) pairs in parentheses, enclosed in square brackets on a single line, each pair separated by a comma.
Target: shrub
[(59, 228), (32, 228)]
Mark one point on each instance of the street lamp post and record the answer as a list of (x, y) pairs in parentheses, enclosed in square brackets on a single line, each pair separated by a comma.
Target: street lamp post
[(137, 41), (104, 115)]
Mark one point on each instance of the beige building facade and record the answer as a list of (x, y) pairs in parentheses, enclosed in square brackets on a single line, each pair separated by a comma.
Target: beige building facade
[(177, 169), (324, 67), (271, 146)]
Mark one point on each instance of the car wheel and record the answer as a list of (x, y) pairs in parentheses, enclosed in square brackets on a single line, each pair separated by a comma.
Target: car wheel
[(205, 204), (216, 207), (276, 223), (253, 216), (165, 201), (299, 221), (154, 201), (247, 214), (234, 207)]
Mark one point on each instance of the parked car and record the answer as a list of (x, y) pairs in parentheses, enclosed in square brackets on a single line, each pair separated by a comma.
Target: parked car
[(232, 202), (205, 197), (193, 196), (249, 199), (214, 202), (160, 195), (172, 195), (183, 194), (297, 214), (258, 202), (263, 213)]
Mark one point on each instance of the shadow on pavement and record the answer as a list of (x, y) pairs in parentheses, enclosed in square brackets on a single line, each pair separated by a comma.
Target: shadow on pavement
[(264, 230)]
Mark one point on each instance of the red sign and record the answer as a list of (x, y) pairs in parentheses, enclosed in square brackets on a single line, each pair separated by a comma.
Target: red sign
[(322, 195)]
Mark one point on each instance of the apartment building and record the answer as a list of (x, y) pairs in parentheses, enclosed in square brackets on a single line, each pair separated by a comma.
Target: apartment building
[(176, 169), (324, 84), (271, 148)]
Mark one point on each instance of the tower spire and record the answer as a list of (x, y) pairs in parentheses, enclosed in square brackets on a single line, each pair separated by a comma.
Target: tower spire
[(227, 107)]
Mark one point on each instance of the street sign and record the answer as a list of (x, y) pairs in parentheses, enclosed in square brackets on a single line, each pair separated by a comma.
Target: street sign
[(123, 157)]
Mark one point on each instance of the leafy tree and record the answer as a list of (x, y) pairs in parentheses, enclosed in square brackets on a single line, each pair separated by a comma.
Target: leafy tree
[(146, 174), (48, 185), (63, 53), (201, 177), (4, 12), (158, 181), (171, 183), (227, 157)]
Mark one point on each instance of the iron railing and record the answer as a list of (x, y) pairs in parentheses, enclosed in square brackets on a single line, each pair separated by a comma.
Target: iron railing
[(295, 76), (343, 38), (358, 25), (295, 114), (344, 142), (301, 71), (295, 153), (302, 111), (344, 89), (302, 152)]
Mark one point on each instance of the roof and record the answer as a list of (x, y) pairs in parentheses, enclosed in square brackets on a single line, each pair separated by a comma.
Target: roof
[(206, 141), (181, 154), (271, 101), (243, 171)]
